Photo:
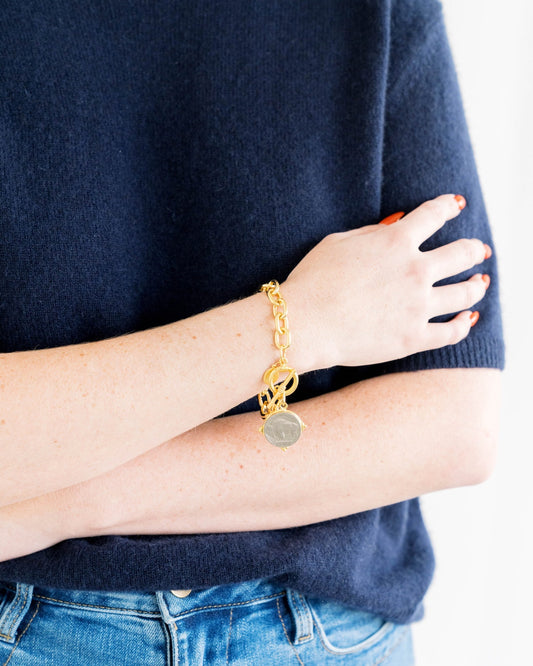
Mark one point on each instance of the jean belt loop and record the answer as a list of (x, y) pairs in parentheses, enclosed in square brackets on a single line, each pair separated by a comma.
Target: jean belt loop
[(14, 611), (301, 613)]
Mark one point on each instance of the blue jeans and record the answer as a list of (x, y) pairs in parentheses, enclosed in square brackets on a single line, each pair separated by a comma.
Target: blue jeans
[(256, 623)]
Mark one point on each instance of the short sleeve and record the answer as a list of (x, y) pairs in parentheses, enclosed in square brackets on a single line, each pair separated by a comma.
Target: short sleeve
[(427, 152)]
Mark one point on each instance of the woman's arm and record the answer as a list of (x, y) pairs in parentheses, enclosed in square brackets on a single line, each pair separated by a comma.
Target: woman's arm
[(71, 413), (374, 443)]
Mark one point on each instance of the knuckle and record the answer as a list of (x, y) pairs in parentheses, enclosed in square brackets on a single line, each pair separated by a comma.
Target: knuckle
[(479, 251), (392, 238), (407, 238), (471, 294), (399, 240), (468, 250), (433, 207), (416, 311), (420, 272), (458, 330), (479, 291)]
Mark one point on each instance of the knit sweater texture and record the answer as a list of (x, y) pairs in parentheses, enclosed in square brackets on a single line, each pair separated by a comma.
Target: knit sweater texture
[(158, 159)]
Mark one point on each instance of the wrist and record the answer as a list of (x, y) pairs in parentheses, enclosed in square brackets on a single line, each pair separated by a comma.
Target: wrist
[(29, 526), (308, 350), (67, 513)]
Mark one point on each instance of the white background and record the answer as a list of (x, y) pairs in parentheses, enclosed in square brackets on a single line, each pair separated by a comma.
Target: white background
[(479, 607)]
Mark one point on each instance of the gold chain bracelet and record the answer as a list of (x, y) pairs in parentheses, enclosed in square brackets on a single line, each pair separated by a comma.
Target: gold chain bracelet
[(281, 427)]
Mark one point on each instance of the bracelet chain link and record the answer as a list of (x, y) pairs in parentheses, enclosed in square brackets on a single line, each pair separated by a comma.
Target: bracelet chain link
[(284, 430)]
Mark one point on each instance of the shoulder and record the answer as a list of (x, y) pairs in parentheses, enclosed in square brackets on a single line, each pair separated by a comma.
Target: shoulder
[(411, 24), (418, 43), (414, 15)]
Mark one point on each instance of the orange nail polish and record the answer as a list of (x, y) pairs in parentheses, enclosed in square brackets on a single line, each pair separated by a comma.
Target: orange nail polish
[(460, 200), (486, 280), (391, 219), (474, 318), (488, 251)]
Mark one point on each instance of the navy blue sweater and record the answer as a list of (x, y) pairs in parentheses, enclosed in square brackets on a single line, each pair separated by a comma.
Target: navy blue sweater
[(149, 154)]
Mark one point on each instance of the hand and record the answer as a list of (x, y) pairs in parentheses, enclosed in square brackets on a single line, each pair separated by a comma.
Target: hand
[(366, 295)]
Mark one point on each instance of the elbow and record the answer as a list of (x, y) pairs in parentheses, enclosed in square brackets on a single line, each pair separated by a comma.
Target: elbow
[(471, 458), (483, 456), (478, 437)]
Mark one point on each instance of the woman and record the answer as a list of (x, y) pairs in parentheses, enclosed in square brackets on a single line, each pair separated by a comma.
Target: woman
[(160, 163)]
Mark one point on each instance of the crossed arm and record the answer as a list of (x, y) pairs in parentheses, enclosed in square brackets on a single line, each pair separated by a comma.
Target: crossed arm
[(94, 463), (370, 444)]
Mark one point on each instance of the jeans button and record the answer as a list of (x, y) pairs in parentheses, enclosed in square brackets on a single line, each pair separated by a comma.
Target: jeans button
[(181, 593)]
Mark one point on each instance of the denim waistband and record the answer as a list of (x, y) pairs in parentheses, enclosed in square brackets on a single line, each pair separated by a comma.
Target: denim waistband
[(166, 604)]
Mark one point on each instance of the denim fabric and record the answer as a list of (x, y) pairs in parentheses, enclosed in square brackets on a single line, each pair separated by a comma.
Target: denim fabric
[(245, 624)]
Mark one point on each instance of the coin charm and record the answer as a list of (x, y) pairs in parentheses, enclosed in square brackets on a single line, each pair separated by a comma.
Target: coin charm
[(283, 428)]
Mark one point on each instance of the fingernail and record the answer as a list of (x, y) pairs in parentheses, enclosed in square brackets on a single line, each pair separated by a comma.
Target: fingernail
[(391, 219), (460, 200), (486, 280), (474, 318), (488, 251)]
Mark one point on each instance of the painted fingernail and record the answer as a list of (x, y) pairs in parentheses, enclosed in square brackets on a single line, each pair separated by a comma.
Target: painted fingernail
[(488, 251), (474, 318), (460, 200), (391, 219), (486, 280)]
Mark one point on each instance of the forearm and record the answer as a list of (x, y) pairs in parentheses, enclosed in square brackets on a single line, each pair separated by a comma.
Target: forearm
[(371, 444), (78, 411), (71, 413)]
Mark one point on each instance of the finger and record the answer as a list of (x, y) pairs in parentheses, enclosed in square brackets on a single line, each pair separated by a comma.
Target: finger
[(430, 216), (451, 332), (457, 297), (455, 257)]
